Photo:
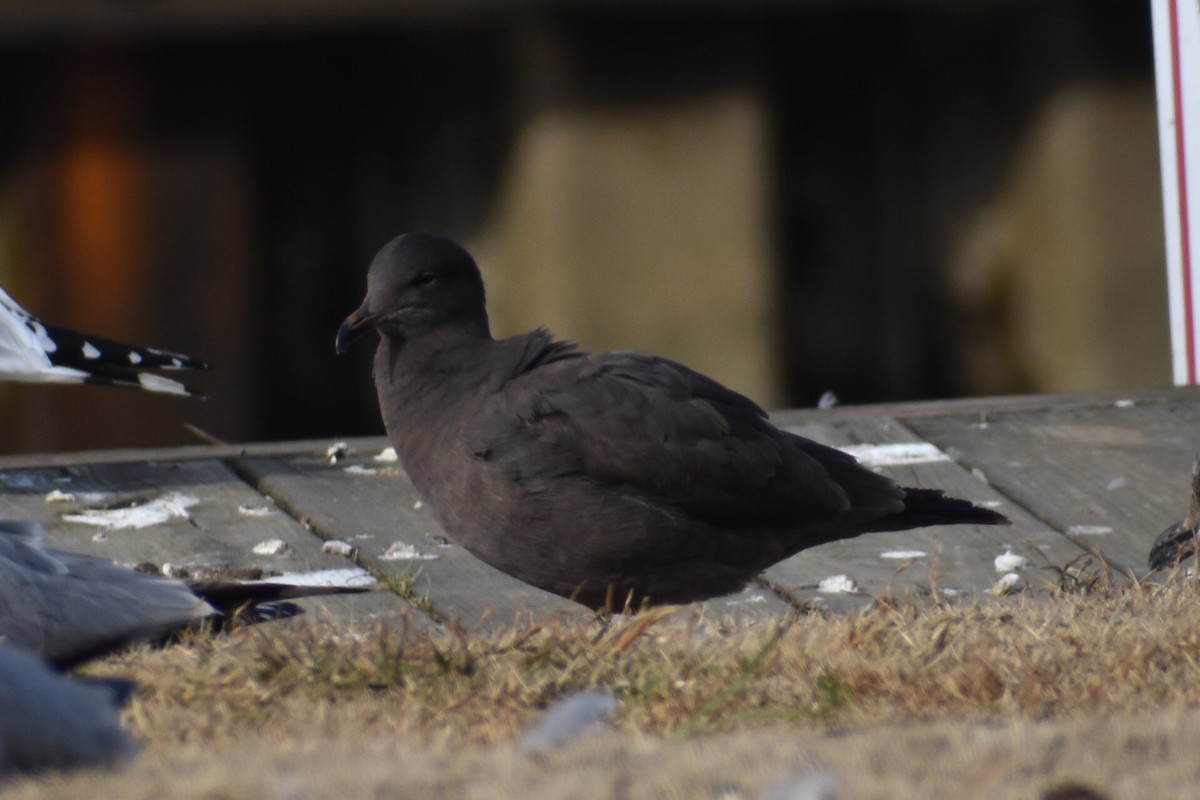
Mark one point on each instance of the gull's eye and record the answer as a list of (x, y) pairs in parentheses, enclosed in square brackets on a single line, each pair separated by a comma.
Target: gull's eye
[(424, 279)]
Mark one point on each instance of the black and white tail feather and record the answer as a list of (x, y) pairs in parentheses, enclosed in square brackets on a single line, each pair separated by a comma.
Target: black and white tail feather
[(33, 352)]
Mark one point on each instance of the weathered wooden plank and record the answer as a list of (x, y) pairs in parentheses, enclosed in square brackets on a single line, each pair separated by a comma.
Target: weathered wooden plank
[(906, 411), (207, 452), (757, 601), (1110, 477), (988, 405), (1070, 460), (954, 559), (374, 506), (208, 523)]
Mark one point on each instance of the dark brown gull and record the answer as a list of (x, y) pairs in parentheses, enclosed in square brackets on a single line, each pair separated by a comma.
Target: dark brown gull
[(611, 477)]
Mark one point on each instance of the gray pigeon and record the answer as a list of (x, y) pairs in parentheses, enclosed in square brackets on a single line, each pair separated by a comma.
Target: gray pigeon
[(59, 609), (69, 607), (603, 477), (33, 352), (50, 722)]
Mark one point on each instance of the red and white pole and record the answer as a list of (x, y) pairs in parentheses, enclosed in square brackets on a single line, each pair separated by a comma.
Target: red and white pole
[(1177, 66)]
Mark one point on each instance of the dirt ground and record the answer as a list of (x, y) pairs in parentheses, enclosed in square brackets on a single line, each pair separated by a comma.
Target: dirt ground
[(1148, 755)]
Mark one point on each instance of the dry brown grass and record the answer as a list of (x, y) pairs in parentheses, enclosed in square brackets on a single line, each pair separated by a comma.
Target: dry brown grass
[(678, 673), (1101, 651)]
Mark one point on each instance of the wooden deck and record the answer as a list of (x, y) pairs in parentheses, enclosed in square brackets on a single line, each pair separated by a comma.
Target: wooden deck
[(1073, 472)]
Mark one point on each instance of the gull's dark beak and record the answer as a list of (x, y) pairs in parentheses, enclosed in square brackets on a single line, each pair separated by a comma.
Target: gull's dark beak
[(352, 329), (1173, 545)]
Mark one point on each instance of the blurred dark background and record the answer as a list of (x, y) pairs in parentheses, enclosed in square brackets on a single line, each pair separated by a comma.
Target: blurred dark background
[(889, 200)]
